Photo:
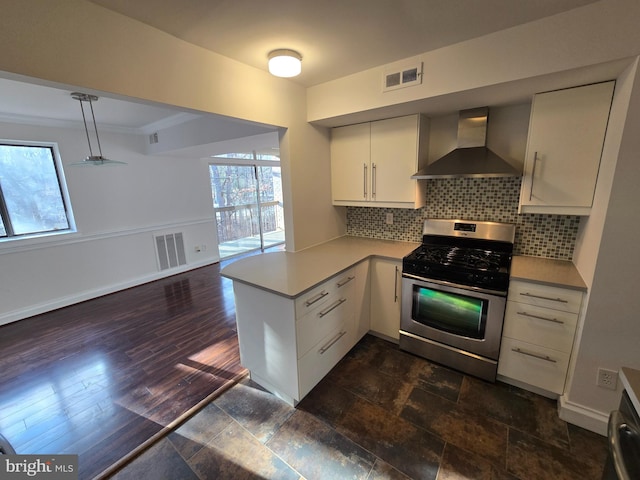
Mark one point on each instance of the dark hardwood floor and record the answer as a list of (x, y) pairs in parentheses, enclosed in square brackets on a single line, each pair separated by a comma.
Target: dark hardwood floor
[(101, 378)]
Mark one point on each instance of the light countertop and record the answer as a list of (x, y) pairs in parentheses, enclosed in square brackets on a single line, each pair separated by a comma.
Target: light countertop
[(559, 273), (290, 274), (631, 380)]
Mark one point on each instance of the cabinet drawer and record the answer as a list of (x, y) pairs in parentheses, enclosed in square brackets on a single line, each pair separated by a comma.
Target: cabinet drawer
[(540, 326), (545, 296), (534, 365), (314, 326), (317, 297), (324, 356)]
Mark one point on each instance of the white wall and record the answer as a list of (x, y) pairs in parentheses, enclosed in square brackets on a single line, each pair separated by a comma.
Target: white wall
[(76, 42), (610, 337), (596, 33), (117, 211)]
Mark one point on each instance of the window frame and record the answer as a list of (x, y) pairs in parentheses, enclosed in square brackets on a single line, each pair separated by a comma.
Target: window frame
[(62, 185)]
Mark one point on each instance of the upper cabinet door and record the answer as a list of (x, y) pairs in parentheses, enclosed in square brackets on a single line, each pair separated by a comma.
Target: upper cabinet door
[(371, 163), (350, 163), (566, 136), (394, 154)]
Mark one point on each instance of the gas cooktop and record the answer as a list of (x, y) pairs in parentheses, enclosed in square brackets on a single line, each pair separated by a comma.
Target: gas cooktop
[(474, 254)]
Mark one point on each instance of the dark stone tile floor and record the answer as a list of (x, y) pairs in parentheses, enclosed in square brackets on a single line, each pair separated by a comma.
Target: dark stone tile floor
[(379, 414)]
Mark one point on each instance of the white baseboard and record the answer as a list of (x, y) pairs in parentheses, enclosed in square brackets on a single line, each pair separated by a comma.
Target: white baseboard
[(21, 314), (582, 416)]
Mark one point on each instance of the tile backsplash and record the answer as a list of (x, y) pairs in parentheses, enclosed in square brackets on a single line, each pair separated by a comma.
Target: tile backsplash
[(482, 199)]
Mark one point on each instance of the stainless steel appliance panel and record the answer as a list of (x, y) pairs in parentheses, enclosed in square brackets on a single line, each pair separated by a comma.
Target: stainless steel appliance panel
[(488, 345)]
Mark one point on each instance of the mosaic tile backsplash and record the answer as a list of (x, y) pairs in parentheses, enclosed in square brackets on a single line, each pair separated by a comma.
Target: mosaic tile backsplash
[(482, 199)]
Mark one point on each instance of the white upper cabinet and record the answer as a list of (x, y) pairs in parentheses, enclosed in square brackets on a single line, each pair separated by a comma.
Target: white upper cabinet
[(372, 163), (350, 163), (566, 135)]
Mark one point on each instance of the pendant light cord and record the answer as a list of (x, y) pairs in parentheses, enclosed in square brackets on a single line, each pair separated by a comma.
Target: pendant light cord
[(86, 129), (95, 127)]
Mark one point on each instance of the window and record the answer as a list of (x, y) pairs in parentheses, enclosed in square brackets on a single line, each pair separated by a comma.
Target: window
[(32, 191), (248, 202)]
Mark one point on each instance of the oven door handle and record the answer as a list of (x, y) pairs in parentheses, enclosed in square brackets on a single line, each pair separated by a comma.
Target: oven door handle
[(497, 293)]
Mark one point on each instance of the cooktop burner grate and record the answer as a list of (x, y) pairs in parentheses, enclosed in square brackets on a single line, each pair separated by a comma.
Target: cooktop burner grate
[(475, 254)]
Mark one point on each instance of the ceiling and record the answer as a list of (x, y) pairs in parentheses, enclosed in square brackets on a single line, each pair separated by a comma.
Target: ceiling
[(335, 37)]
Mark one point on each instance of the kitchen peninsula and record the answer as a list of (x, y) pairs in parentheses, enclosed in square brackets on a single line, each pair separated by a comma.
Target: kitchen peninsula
[(299, 313)]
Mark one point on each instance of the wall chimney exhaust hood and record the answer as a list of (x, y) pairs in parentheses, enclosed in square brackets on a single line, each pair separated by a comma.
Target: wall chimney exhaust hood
[(472, 158)]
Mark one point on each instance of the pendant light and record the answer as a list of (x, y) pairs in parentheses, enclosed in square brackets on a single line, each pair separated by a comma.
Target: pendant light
[(95, 160), (285, 63)]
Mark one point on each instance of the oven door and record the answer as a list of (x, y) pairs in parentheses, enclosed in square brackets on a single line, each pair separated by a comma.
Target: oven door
[(461, 318)]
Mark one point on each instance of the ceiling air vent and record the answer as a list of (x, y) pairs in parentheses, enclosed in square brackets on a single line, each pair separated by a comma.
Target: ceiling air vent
[(402, 77)]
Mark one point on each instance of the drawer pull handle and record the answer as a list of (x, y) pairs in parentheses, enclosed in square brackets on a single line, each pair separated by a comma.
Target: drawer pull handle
[(332, 342), (332, 307), (546, 358), (561, 300), (317, 298), (344, 282), (546, 319)]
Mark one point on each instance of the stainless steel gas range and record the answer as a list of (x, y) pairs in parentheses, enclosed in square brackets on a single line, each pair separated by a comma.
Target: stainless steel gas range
[(454, 290)]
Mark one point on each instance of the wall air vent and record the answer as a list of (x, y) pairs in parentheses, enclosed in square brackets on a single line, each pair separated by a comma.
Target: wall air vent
[(402, 77), (170, 251)]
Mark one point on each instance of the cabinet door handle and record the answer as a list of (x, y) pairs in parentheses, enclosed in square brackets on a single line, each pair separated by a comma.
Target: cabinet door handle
[(332, 342), (557, 299), (374, 179), (533, 174), (317, 298), (395, 286), (344, 282), (546, 358), (365, 180), (332, 307), (539, 317)]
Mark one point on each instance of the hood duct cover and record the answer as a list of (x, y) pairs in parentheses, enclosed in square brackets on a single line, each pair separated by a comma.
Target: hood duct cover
[(472, 158)]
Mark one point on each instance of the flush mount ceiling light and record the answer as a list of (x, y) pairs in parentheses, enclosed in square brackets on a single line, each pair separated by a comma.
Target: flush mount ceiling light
[(285, 63), (95, 160)]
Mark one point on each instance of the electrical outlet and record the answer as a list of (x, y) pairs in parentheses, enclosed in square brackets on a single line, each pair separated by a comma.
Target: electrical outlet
[(607, 379), (197, 249), (389, 219)]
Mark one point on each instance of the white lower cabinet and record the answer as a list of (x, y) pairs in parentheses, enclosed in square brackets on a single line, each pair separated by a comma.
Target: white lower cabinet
[(362, 299), (386, 282), (287, 344), (538, 334)]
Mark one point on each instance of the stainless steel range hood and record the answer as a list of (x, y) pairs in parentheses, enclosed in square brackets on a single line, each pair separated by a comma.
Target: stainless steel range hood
[(472, 158)]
